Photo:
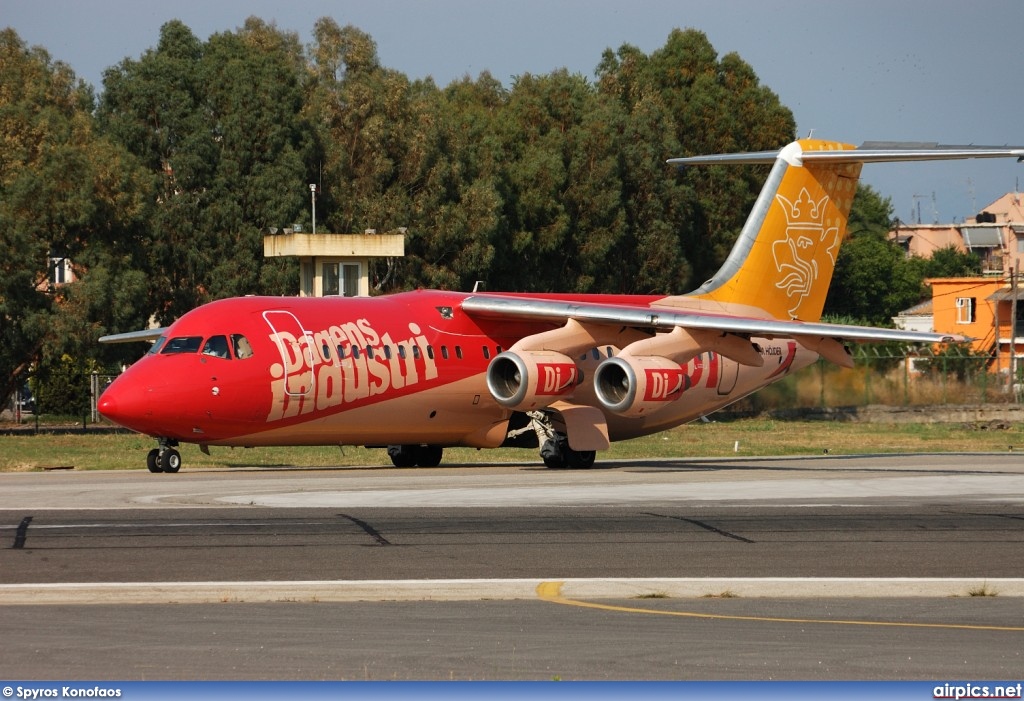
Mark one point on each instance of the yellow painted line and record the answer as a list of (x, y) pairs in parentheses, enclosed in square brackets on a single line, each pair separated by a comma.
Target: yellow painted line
[(552, 593)]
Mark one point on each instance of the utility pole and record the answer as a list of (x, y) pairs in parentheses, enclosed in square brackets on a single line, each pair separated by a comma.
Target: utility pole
[(1013, 333), (312, 197)]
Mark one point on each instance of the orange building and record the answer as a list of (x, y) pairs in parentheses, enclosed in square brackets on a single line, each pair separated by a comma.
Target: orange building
[(983, 309)]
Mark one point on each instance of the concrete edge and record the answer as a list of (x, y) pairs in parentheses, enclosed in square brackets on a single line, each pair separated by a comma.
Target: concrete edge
[(499, 589)]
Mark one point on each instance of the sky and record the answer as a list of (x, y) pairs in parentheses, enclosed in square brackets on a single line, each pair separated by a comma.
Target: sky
[(871, 70)]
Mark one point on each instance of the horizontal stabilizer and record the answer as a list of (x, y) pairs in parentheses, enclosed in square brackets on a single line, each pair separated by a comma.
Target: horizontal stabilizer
[(868, 152)]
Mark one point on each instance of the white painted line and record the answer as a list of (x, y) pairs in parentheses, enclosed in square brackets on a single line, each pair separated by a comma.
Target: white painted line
[(499, 589)]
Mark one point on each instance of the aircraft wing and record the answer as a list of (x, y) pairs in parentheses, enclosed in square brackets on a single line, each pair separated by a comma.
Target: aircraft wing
[(534, 309), (132, 336)]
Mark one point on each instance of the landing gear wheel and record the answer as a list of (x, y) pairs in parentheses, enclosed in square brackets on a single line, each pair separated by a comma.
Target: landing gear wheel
[(402, 455), (553, 452), (557, 454), (153, 460), (170, 461), (581, 459), (429, 455), (421, 455)]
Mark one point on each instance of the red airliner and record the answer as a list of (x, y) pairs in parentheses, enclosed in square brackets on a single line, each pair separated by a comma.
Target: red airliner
[(420, 371)]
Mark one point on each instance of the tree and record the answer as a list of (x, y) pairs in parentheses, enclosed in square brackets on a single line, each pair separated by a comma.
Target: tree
[(873, 279), (563, 183), (218, 125), (951, 262), (456, 223), (366, 117), (716, 106), (66, 194)]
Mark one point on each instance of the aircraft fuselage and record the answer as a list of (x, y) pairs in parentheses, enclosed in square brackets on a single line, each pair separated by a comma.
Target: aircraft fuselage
[(326, 371)]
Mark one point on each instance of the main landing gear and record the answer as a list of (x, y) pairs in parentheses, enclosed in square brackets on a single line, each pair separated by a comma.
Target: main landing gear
[(418, 455), (554, 444), (557, 454), (165, 458)]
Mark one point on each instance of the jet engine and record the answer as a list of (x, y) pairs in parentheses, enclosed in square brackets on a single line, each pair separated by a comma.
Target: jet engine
[(638, 385), (527, 380)]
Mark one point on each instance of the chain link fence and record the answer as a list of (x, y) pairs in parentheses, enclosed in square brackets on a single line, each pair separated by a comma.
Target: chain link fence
[(71, 402), (887, 377)]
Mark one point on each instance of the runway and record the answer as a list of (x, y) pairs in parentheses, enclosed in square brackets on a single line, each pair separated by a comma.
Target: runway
[(680, 564)]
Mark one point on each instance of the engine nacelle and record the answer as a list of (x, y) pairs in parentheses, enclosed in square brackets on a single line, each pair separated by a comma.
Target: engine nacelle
[(639, 385), (527, 380)]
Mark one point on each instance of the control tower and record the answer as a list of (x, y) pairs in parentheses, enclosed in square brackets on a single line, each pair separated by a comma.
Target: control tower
[(334, 264)]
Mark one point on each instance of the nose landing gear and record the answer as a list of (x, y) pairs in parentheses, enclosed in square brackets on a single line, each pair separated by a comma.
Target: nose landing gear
[(165, 458)]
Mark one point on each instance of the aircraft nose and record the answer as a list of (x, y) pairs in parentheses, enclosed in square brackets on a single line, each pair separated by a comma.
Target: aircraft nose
[(107, 406), (124, 405)]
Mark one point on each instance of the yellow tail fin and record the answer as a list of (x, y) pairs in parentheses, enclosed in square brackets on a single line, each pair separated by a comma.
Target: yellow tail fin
[(783, 259)]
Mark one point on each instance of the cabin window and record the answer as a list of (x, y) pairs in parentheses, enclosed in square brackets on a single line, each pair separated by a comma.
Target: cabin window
[(341, 352), (387, 352), (217, 346), (430, 352), (487, 353), (182, 344), (458, 352), (326, 351), (444, 352), (241, 345)]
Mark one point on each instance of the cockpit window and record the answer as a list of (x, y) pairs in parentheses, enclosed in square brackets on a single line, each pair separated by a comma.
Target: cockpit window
[(182, 344), (241, 346), (158, 345), (217, 346)]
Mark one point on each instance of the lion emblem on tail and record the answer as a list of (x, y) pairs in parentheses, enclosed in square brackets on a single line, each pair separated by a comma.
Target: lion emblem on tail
[(809, 247)]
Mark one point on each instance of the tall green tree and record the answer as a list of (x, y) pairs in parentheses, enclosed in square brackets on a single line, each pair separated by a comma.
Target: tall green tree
[(563, 198), (650, 258), (716, 106), (456, 224), (218, 124), (366, 116), (66, 195), (873, 279)]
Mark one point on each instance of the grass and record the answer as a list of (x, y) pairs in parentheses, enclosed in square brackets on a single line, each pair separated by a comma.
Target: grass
[(983, 590), (743, 437)]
